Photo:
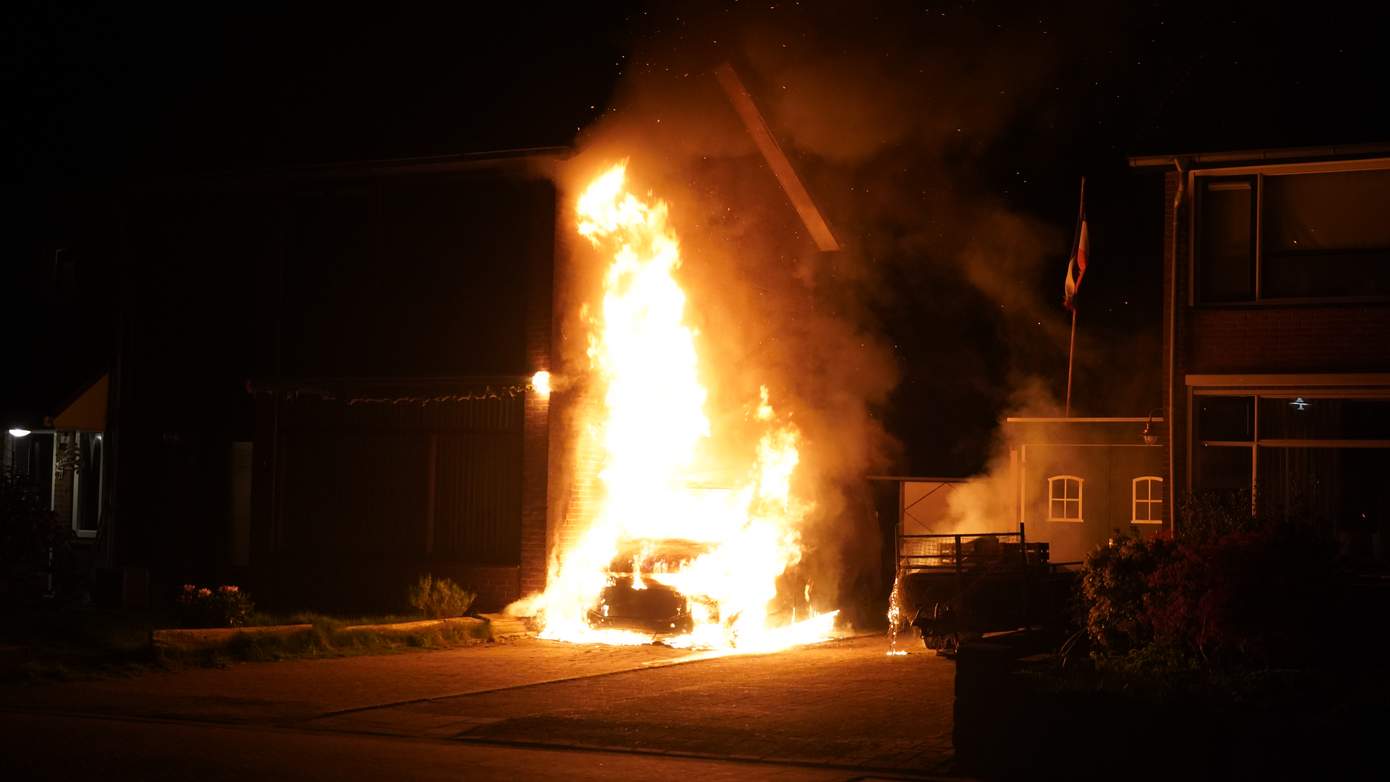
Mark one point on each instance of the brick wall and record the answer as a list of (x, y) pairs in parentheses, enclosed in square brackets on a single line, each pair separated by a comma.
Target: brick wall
[(584, 490), (575, 456), (1253, 338), (496, 586), (1329, 338), (534, 479), (536, 428)]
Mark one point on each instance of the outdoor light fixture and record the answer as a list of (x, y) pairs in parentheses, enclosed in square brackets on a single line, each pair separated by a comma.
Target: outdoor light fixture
[(540, 383), (1299, 404), (19, 431), (1150, 436)]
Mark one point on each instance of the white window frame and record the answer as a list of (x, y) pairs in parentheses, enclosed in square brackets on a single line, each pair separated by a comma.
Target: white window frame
[(1148, 501), (1311, 387), (1064, 499), (1259, 173)]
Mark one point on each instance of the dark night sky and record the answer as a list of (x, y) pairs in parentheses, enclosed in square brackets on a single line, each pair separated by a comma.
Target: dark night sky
[(98, 100)]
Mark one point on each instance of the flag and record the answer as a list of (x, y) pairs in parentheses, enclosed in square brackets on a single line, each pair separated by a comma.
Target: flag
[(1076, 267)]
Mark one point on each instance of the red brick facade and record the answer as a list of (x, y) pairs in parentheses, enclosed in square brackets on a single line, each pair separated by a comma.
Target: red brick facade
[(1325, 337), (1264, 338)]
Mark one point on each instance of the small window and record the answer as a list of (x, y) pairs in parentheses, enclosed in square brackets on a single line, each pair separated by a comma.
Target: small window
[(1148, 500), (1226, 240), (1064, 498)]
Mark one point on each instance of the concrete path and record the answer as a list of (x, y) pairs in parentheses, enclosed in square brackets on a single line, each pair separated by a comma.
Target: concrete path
[(838, 710)]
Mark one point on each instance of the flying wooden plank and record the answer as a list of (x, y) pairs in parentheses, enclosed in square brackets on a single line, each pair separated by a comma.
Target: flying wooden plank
[(781, 167)]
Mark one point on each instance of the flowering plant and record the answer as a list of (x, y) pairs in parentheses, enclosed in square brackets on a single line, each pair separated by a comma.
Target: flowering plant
[(225, 606)]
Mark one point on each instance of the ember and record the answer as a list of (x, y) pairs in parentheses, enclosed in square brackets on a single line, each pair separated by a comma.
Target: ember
[(671, 555)]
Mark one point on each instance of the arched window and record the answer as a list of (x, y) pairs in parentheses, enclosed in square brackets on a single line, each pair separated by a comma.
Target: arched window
[(1064, 498), (1148, 500)]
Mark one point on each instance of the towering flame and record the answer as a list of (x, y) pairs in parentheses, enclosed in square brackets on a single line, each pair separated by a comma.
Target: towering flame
[(723, 548)]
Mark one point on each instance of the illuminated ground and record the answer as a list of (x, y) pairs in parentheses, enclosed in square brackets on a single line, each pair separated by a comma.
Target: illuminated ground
[(527, 709)]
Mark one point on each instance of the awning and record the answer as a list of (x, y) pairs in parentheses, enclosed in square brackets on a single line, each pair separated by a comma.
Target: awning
[(86, 413)]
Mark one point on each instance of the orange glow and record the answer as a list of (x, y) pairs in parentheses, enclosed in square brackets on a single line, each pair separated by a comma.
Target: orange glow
[(734, 536)]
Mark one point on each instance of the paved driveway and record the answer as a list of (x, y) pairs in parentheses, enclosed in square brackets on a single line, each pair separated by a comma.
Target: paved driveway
[(841, 708)]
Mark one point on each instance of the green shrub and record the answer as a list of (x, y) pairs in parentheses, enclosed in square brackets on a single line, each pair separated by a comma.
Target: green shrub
[(1115, 584), (440, 597)]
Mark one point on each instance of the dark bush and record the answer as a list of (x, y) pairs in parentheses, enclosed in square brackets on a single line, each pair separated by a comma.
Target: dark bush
[(32, 539), (1248, 599), (1233, 593), (440, 597), (1115, 584), (225, 606)]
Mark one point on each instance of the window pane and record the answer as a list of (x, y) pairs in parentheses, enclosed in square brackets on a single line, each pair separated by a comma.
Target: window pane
[(1225, 417), (1326, 234), (1221, 467), (89, 483), (1324, 419), (1326, 273), (1225, 257)]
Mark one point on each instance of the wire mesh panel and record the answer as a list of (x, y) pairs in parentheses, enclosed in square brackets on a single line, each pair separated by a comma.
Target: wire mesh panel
[(951, 552)]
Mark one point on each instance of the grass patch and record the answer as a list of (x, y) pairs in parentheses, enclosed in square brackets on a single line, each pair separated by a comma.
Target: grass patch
[(326, 621)]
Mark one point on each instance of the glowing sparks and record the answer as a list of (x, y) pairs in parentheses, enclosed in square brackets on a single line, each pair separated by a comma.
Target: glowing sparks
[(719, 549)]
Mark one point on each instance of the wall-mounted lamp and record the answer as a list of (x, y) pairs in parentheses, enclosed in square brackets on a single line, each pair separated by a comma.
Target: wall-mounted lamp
[(540, 383), (19, 431), (1149, 434)]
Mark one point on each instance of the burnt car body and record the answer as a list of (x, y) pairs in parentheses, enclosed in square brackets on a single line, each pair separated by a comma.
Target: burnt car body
[(636, 600)]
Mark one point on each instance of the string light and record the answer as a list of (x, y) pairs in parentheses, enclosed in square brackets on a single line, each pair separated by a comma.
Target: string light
[(488, 393), (538, 384)]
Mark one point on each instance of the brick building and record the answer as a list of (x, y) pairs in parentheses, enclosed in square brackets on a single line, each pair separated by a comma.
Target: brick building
[(322, 384), (1082, 481), (1276, 322)]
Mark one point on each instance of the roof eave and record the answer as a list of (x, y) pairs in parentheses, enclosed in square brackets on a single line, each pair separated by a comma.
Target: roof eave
[(1256, 156)]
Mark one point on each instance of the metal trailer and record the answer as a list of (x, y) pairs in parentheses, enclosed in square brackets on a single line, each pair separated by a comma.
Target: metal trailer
[(958, 587)]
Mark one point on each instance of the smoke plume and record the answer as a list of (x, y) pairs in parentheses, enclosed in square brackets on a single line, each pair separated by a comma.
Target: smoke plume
[(887, 114)]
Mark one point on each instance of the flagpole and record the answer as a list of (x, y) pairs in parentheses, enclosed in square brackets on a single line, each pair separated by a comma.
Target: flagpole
[(1071, 347), (1071, 351)]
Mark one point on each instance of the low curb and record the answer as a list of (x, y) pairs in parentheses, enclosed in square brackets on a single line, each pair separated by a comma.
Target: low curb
[(411, 627), (504, 626)]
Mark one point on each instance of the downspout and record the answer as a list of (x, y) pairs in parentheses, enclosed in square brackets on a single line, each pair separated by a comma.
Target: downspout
[(1173, 347)]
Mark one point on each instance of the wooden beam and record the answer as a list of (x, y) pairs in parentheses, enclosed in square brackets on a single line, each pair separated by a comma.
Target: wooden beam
[(752, 119)]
